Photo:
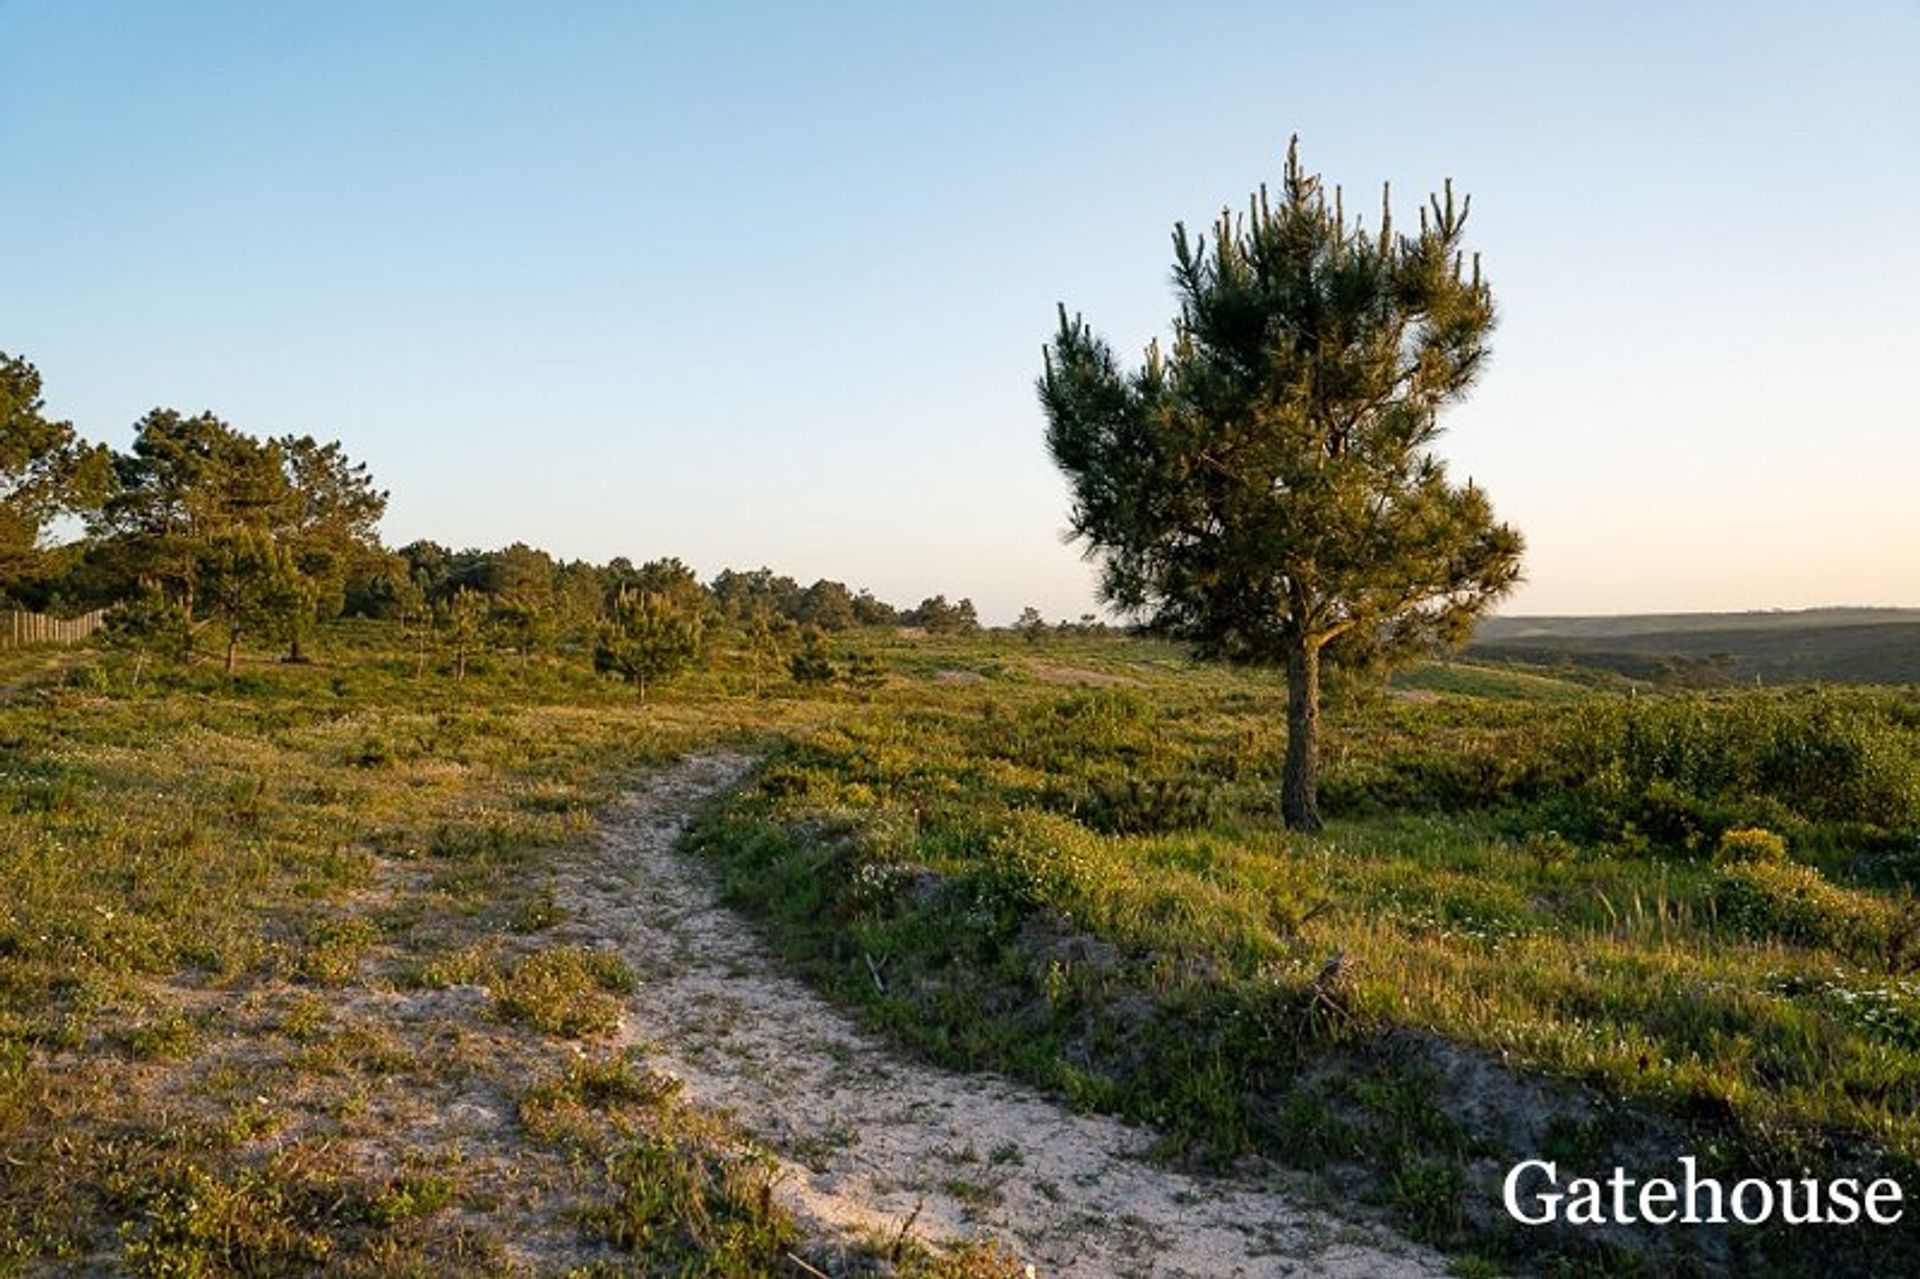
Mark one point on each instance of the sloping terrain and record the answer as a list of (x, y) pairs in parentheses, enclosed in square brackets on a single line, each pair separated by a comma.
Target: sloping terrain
[(1862, 646), (869, 1141)]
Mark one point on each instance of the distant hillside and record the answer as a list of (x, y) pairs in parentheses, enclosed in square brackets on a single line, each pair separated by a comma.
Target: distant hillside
[(1640, 624), (1842, 645)]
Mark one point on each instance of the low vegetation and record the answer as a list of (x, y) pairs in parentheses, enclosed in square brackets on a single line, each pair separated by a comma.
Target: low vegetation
[(240, 921), (1623, 928), (260, 930)]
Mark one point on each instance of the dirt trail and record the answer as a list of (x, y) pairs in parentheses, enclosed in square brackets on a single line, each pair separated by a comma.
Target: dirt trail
[(869, 1139)]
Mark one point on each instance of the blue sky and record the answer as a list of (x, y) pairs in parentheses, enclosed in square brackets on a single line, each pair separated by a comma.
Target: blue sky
[(768, 283)]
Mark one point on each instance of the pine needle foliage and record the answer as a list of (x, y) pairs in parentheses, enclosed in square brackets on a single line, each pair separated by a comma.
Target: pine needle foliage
[(649, 638), (1266, 487)]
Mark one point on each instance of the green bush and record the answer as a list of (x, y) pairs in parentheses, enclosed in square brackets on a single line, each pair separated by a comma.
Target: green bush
[(1749, 844), (811, 665), (1685, 769), (1038, 859), (1129, 805), (1445, 757), (1785, 901)]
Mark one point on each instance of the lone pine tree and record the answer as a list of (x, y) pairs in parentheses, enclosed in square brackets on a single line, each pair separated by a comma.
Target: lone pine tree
[(650, 636), (1266, 488)]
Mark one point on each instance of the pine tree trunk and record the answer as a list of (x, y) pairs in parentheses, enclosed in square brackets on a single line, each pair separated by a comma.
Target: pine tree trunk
[(233, 643), (1300, 784)]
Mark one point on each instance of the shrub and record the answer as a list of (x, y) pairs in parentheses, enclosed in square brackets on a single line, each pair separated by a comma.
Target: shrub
[(1132, 806), (1549, 848), (194, 1222), (649, 639), (1038, 859), (864, 671), (1680, 768), (1749, 844), (90, 678), (150, 623), (1785, 901), (811, 664)]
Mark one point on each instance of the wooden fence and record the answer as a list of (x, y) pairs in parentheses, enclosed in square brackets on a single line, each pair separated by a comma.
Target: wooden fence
[(18, 630)]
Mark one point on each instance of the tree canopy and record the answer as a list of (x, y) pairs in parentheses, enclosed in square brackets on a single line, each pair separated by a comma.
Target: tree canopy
[(45, 470), (649, 637), (202, 529), (1266, 487), (197, 501)]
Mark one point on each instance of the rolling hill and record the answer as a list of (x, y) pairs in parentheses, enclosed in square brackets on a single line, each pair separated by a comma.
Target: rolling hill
[(1840, 645)]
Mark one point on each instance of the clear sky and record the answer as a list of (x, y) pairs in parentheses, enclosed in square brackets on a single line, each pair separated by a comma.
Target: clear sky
[(767, 284)]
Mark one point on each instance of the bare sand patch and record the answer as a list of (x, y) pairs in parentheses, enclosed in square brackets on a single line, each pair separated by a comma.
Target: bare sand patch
[(1050, 673)]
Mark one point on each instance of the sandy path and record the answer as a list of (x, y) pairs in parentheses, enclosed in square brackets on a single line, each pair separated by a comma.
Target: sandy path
[(869, 1139)]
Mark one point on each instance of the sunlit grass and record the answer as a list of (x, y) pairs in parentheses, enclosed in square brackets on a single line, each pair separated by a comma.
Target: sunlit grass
[(1088, 886), (206, 889), (1066, 865)]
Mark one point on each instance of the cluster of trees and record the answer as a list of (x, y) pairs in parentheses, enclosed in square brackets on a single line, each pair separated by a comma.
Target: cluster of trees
[(831, 606), (197, 526), (249, 536), (1032, 625), (644, 623), (201, 529)]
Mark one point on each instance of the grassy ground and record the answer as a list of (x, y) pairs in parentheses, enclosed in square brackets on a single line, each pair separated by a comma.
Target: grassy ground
[(259, 939), (275, 992), (1515, 936)]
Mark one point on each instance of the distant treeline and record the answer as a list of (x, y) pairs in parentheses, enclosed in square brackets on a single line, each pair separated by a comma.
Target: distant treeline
[(424, 573), (203, 534)]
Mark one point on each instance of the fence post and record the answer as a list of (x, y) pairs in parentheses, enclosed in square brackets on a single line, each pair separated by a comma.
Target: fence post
[(22, 628)]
